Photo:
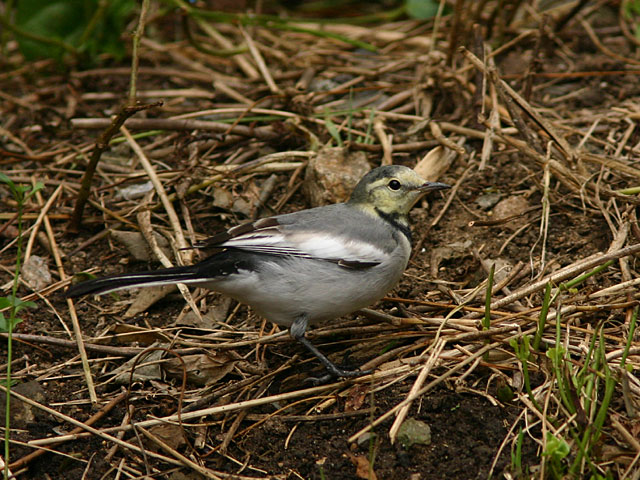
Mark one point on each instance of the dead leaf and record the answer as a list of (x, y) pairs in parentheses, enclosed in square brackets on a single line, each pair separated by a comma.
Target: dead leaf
[(364, 469), (147, 297), (137, 246), (452, 251), (434, 164), (356, 398), (215, 314), (146, 369), (170, 434), (128, 334), (202, 368), (513, 207)]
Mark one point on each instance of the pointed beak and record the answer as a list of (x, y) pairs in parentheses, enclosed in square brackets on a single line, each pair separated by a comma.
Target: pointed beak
[(429, 186)]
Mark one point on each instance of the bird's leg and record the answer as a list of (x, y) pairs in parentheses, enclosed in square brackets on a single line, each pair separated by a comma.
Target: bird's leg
[(297, 331)]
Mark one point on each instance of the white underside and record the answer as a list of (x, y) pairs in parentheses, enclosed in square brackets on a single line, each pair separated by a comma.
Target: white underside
[(284, 290)]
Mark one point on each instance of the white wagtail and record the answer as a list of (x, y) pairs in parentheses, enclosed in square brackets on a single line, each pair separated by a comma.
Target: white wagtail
[(307, 267)]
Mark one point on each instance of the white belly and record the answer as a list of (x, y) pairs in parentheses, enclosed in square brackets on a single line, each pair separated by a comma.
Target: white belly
[(284, 290)]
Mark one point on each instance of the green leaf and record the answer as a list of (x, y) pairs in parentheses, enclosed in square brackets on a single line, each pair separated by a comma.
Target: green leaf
[(107, 35), (7, 180), (15, 302), (12, 186), (555, 353), (557, 448), (82, 24), (6, 325), (36, 188), (333, 130), (20, 305), (62, 20), (421, 9), (632, 8)]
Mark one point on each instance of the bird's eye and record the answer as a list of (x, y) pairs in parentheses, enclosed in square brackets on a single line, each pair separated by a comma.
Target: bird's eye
[(394, 185)]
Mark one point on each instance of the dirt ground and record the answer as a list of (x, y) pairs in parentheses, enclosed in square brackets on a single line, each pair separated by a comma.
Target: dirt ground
[(540, 144)]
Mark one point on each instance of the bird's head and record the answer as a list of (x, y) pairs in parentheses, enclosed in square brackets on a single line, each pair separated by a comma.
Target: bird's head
[(391, 190)]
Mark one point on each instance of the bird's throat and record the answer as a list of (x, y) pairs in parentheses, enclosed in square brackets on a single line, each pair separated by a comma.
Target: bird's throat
[(400, 222)]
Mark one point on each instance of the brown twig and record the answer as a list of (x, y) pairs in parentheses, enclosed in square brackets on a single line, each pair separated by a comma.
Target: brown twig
[(536, 63), (102, 143)]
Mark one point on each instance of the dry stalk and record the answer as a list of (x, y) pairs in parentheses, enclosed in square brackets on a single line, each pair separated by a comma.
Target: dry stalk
[(91, 421), (430, 385)]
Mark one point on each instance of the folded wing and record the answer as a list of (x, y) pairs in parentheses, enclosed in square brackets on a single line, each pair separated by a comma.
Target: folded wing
[(269, 236)]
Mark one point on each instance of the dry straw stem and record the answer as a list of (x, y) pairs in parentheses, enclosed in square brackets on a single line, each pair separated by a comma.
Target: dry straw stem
[(118, 351), (417, 385), (94, 418), (565, 273), (385, 141), (174, 221), (429, 386), (182, 254), (262, 133), (181, 458), (184, 416), (262, 66), (507, 93), (41, 215), (607, 51), (85, 427), (72, 311), (144, 221)]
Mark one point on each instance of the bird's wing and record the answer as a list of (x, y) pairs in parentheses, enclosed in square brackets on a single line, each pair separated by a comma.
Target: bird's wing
[(272, 237)]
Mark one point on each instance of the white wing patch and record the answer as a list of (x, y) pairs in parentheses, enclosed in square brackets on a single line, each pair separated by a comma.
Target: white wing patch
[(308, 245)]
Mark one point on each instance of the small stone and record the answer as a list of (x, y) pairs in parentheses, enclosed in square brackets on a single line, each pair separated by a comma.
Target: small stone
[(35, 272), (23, 414), (222, 198), (511, 207), (241, 206), (488, 200), (414, 432), (332, 175)]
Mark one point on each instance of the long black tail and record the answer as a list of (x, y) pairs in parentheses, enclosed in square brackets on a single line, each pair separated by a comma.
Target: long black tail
[(167, 276), (212, 269)]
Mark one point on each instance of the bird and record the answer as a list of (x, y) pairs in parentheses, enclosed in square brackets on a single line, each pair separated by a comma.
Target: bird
[(307, 267)]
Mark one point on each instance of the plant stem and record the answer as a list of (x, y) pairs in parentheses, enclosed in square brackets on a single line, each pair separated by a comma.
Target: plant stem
[(542, 319), (137, 35), (12, 319)]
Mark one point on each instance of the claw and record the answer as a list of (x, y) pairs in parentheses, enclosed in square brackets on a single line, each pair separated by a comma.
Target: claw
[(297, 331)]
